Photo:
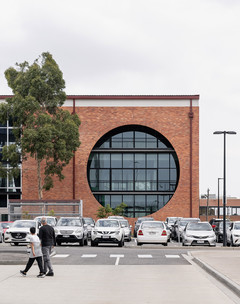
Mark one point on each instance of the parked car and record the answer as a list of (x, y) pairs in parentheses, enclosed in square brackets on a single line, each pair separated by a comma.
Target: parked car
[(116, 217), (5, 225), (218, 229), (179, 226), (51, 220), (1, 234), (127, 229), (90, 224), (198, 233), (152, 232), (19, 232), (108, 231), (213, 222), (233, 234), (138, 223), (71, 230)]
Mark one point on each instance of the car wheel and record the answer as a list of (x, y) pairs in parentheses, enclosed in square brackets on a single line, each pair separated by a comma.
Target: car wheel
[(165, 244), (183, 244), (1, 238), (121, 243), (59, 243), (139, 244), (228, 244), (81, 243), (86, 242), (93, 244), (232, 244)]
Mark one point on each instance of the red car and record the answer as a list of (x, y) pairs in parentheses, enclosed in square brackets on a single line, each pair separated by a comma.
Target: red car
[(5, 225)]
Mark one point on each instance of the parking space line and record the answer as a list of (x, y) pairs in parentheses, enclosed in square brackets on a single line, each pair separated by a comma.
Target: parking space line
[(172, 256), (88, 256), (144, 256), (118, 256)]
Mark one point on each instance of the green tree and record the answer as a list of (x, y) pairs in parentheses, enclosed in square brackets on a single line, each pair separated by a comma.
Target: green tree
[(119, 210), (42, 129), (104, 212)]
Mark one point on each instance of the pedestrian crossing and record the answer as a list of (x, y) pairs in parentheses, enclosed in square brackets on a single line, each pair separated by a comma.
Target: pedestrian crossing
[(140, 256)]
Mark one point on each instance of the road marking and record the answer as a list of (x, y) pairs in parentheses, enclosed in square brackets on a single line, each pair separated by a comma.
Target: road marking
[(60, 255), (172, 256), (118, 256), (144, 256), (88, 256)]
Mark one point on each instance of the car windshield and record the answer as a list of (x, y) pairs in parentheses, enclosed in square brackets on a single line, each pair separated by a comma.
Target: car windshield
[(183, 224), (107, 223), (227, 224), (152, 225), (89, 221), (6, 225), (172, 220), (124, 223), (237, 226), (199, 227), (69, 222), (24, 224)]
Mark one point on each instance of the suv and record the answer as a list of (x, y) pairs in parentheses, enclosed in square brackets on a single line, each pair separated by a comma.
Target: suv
[(108, 231), (19, 232), (179, 226), (71, 230), (138, 223)]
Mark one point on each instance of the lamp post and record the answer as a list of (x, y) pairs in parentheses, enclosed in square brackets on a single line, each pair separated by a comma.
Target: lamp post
[(224, 179), (219, 178)]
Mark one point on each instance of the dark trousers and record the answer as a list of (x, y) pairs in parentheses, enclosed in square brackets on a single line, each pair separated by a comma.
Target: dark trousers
[(31, 261)]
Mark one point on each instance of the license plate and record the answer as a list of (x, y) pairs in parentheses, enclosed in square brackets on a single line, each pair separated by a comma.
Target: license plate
[(152, 232), (200, 242), (105, 237), (66, 236)]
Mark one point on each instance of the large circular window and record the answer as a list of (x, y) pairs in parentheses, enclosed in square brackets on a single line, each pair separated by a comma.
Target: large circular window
[(135, 165)]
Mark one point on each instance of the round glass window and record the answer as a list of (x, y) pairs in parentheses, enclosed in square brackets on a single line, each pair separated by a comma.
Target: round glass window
[(135, 165)]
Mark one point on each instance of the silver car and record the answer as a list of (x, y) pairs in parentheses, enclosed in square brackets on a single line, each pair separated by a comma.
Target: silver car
[(127, 229), (198, 233)]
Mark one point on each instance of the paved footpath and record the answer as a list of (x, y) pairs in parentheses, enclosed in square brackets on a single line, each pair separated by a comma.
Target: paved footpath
[(110, 284)]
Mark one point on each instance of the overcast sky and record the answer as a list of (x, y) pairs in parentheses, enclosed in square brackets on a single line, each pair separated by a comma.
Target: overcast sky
[(141, 47)]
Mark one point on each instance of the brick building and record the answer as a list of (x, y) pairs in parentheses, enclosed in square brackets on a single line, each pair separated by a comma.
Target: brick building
[(140, 150)]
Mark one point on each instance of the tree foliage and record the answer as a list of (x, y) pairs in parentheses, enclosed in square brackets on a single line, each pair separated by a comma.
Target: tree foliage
[(42, 129), (104, 212)]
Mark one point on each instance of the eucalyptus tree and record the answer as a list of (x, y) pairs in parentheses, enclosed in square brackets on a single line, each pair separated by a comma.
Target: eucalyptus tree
[(42, 129)]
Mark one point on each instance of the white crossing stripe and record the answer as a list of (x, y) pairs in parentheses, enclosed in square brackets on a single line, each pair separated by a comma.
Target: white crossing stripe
[(173, 256), (144, 256), (88, 256), (60, 255)]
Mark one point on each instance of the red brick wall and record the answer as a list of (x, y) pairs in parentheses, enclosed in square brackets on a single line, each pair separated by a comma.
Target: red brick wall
[(171, 122)]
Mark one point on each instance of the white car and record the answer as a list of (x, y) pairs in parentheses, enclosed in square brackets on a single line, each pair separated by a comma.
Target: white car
[(71, 230), (19, 232), (152, 232), (107, 231), (198, 233), (127, 229), (1, 234), (233, 234), (51, 220)]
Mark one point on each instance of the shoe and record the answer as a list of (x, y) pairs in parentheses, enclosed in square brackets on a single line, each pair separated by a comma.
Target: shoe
[(23, 273), (41, 275), (50, 274)]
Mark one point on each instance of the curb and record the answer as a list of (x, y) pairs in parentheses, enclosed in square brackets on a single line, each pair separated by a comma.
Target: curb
[(217, 275)]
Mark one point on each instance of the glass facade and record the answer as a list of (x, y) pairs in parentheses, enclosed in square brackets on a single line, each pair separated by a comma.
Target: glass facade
[(9, 188), (135, 165)]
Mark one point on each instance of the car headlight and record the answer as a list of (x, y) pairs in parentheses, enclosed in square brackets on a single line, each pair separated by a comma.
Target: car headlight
[(189, 235), (78, 230), (7, 232), (56, 230), (236, 235), (117, 232), (94, 231)]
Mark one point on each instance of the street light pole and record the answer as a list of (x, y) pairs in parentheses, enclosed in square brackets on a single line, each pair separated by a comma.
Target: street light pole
[(218, 197), (224, 180)]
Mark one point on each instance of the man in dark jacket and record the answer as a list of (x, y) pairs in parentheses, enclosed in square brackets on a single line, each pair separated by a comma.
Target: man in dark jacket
[(47, 237)]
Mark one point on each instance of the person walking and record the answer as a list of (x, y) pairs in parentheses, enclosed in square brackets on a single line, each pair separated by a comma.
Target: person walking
[(35, 254), (47, 237)]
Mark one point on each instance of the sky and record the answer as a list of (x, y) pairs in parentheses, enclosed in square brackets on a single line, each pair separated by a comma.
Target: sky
[(154, 47)]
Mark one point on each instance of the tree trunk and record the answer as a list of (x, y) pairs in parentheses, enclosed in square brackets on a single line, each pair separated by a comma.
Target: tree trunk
[(40, 187)]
